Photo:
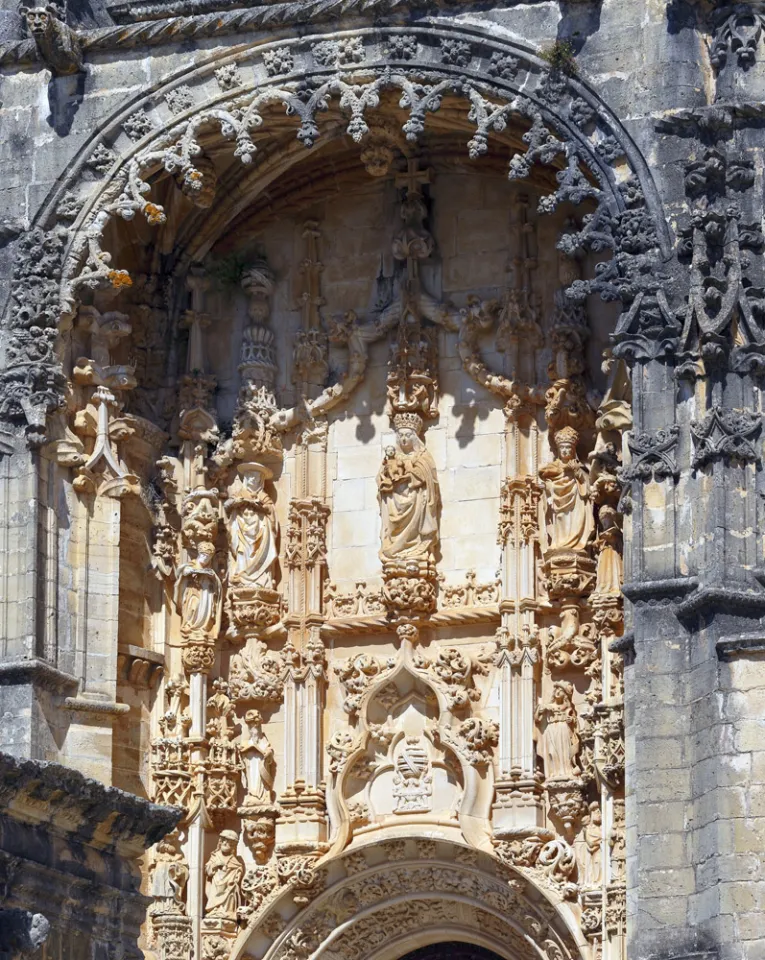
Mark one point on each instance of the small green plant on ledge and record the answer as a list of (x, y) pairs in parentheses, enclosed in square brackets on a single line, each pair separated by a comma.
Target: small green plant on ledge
[(560, 56)]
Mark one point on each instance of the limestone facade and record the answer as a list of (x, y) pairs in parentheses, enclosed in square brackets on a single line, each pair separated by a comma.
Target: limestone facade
[(361, 365)]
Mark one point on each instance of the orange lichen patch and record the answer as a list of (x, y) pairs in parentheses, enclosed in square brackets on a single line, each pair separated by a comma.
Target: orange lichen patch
[(120, 278), (154, 213)]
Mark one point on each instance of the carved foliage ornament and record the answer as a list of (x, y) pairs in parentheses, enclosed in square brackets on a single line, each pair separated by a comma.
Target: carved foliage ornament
[(621, 223)]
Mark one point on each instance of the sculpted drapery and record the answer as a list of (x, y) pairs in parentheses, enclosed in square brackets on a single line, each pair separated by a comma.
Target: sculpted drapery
[(252, 530), (198, 595), (224, 873), (560, 743), (409, 496), (571, 522)]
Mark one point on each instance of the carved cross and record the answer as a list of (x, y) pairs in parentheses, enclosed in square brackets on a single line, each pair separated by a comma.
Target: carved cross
[(414, 178)]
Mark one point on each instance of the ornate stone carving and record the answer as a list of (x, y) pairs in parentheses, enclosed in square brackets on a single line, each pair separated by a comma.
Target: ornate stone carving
[(652, 455), (256, 676), (198, 596), (455, 672), (57, 44), (722, 326), (571, 523), (726, 435), (356, 673), (593, 840), (413, 780), (252, 603)]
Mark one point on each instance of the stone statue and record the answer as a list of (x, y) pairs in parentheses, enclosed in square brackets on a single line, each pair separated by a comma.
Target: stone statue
[(224, 872), (609, 546), (252, 529), (259, 760), (560, 740), (593, 840), (198, 595), (169, 877), (409, 496), (571, 521)]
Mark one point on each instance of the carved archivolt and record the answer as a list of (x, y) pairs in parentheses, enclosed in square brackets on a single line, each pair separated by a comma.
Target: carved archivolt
[(393, 889)]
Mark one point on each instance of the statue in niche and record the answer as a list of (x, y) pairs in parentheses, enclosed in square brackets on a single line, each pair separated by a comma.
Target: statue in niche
[(169, 878), (198, 595), (252, 529), (224, 872), (560, 740), (609, 546), (571, 521), (593, 841), (259, 760), (409, 496)]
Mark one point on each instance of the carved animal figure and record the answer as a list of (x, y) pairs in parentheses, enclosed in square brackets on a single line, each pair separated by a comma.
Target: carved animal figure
[(57, 43)]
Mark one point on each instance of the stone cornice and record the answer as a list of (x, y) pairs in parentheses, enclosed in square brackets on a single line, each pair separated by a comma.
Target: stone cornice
[(36, 792), (40, 673), (152, 25)]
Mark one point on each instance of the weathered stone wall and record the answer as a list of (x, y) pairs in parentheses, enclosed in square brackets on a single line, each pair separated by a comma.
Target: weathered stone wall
[(68, 852)]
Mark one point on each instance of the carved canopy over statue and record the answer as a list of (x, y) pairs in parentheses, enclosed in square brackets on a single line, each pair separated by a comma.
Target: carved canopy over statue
[(409, 496), (570, 517)]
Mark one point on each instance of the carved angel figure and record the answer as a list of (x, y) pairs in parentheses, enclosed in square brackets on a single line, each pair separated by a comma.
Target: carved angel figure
[(198, 595), (571, 521), (409, 496), (224, 872), (252, 529), (560, 740)]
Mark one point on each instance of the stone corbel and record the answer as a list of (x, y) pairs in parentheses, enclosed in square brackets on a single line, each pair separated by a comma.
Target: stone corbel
[(139, 667)]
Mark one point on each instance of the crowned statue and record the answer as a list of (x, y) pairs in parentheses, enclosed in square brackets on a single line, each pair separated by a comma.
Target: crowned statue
[(409, 496), (571, 522), (252, 529)]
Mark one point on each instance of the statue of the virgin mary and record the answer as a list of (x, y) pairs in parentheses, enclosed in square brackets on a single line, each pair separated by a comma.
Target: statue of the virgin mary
[(409, 496)]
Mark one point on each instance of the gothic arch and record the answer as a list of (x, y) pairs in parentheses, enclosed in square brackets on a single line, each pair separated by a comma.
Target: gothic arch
[(378, 901), (236, 107)]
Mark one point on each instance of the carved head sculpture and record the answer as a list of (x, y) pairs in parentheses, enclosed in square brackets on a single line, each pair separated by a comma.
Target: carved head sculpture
[(254, 476), (408, 427), (563, 691), (205, 553), (595, 814), (228, 842), (566, 441), (39, 20)]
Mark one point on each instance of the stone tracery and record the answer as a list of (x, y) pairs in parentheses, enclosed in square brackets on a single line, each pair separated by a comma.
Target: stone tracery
[(252, 605)]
